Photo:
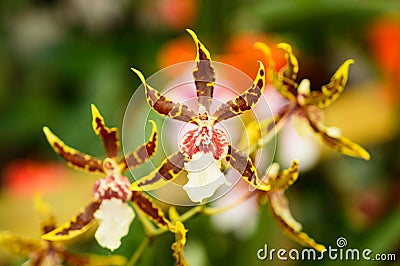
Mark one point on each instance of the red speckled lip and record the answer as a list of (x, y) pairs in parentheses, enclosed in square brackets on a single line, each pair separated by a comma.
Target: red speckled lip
[(205, 139)]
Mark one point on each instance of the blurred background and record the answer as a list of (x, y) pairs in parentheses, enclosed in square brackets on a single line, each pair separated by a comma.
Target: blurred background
[(59, 56)]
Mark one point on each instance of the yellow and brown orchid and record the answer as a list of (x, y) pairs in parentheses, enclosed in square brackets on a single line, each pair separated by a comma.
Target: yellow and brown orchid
[(306, 104), (43, 252), (203, 149), (279, 181), (109, 208)]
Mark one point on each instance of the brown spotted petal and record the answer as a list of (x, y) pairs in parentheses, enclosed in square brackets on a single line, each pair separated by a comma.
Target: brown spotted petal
[(331, 91), (168, 171), (77, 226), (245, 101), (244, 166), (146, 204), (204, 74), (178, 245), (165, 106), (46, 217), (332, 138), (283, 179), (18, 245), (93, 260), (108, 135), (280, 209), (74, 158), (282, 81), (143, 153), (289, 73)]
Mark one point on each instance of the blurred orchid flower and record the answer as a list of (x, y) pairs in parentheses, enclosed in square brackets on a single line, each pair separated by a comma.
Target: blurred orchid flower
[(44, 252), (110, 206), (307, 104), (203, 149), (279, 206)]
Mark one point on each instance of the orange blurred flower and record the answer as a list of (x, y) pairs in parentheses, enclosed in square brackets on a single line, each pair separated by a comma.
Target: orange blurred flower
[(385, 44), (22, 178), (178, 14), (239, 52)]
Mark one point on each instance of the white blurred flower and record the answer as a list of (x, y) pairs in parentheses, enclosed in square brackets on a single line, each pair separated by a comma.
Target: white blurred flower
[(296, 140), (243, 218)]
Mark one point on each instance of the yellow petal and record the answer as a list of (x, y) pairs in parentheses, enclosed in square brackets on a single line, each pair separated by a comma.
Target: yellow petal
[(76, 227), (281, 212), (47, 219), (177, 246), (245, 101), (292, 68), (331, 91), (165, 106), (152, 211), (143, 153), (108, 135), (284, 85), (18, 245), (74, 158), (166, 172), (283, 179), (334, 140), (203, 73)]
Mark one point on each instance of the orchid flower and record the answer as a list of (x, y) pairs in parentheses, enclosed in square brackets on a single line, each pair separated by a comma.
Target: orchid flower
[(202, 150), (43, 252), (109, 208), (306, 104), (279, 206)]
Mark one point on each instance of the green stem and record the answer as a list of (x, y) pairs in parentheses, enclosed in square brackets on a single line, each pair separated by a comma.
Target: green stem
[(190, 213), (139, 252)]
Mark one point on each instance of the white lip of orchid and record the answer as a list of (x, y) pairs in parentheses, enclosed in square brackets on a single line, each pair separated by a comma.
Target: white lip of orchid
[(204, 175), (114, 218)]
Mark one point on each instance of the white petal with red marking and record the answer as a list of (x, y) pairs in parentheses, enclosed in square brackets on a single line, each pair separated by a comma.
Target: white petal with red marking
[(205, 139)]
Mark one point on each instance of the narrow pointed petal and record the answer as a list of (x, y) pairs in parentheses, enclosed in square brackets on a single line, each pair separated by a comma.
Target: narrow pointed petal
[(93, 260), (290, 71), (281, 212), (331, 91), (245, 101), (178, 245), (285, 178), (337, 142), (286, 87), (165, 106), (244, 166), (108, 135), (146, 204), (18, 245), (74, 158), (77, 226), (168, 171), (47, 219), (143, 153), (204, 74)]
